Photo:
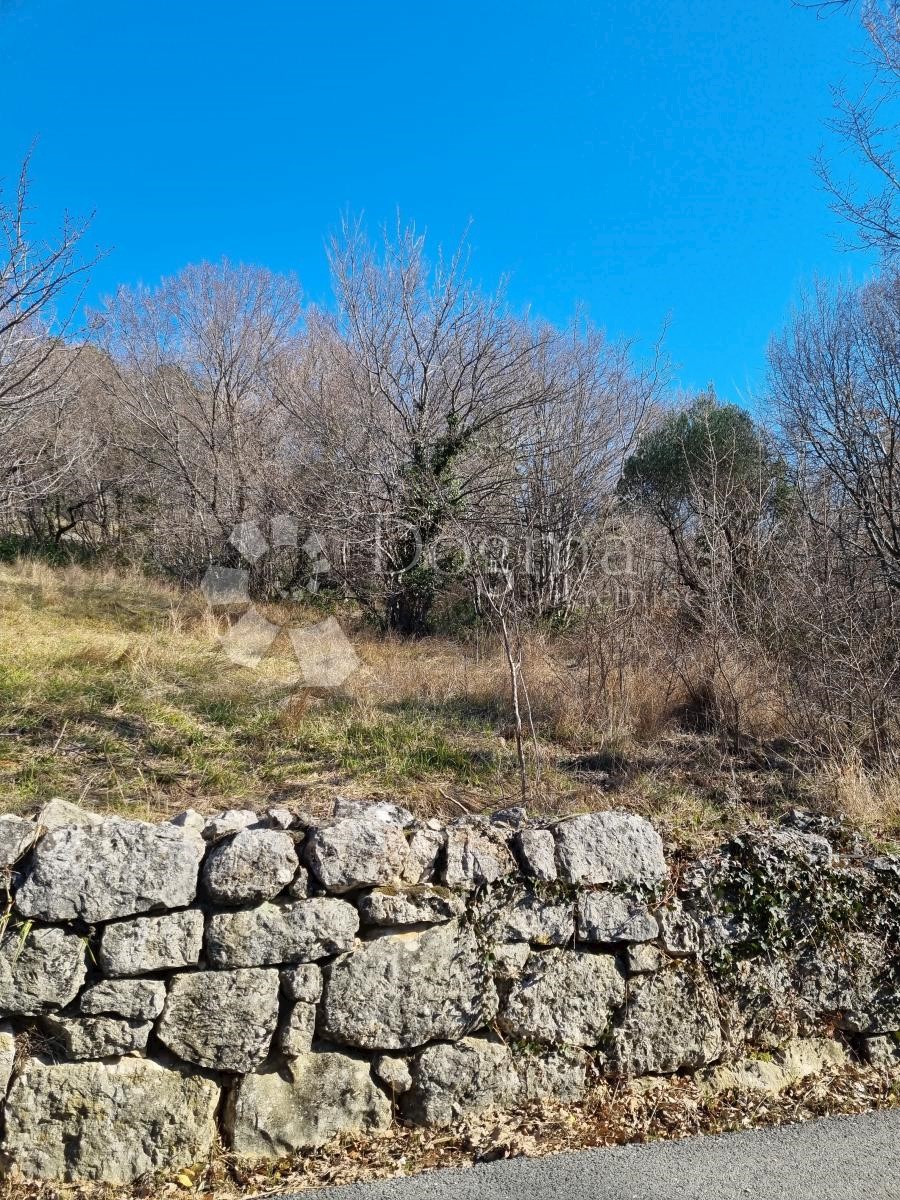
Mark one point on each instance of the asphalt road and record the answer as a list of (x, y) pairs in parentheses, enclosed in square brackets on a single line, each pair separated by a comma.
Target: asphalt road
[(839, 1158)]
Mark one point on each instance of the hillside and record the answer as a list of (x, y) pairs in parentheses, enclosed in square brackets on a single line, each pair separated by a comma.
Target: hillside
[(115, 692)]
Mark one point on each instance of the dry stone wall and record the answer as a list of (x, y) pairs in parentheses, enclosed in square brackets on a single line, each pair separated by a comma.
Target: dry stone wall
[(274, 981)]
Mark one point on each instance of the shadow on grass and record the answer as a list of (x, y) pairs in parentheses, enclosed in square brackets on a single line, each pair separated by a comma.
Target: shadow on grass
[(473, 713)]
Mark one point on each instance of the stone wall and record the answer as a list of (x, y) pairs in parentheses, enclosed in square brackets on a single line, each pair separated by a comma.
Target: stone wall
[(274, 981)]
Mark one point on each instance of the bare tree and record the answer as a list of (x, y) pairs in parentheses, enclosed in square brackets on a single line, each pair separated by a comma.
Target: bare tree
[(85, 497), (835, 378), (41, 285), (870, 124), (412, 388), (193, 365), (569, 457), (835, 614)]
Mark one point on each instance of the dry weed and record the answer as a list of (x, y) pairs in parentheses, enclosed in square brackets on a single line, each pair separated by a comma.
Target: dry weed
[(870, 800)]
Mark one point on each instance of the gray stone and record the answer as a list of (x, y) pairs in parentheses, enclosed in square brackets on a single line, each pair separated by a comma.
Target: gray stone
[(113, 869), (356, 852), (224, 824), (530, 918), (296, 931), (679, 931), (671, 1023), (393, 1071), (510, 960), (475, 855), (564, 996), (190, 821), (720, 931), (425, 848), (147, 944), (798, 1060), (610, 847), (280, 818), (97, 1037), (271, 1114), (224, 1020), (810, 848), (57, 813), (139, 999), (418, 905), (512, 818), (402, 990), (559, 1075), (837, 830), (450, 1082), (40, 970), (254, 865), (642, 958), (303, 821), (607, 917), (299, 887), (16, 835), (303, 983), (7, 1057), (536, 852), (852, 981), (882, 1052), (381, 810), (107, 1122), (883, 1015), (759, 1005), (296, 1036)]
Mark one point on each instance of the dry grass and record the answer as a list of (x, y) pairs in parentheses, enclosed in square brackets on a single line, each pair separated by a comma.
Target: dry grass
[(114, 691), (869, 799)]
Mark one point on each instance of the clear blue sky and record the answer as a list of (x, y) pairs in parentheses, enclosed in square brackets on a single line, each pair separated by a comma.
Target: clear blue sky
[(644, 158)]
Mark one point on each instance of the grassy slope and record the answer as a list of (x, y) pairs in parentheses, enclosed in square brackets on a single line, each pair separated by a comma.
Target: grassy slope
[(114, 691)]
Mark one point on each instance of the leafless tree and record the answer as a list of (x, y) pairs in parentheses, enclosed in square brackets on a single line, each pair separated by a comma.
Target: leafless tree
[(836, 387), (835, 613), (412, 387), (870, 125), (569, 457), (85, 495), (193, 363), (41, 284), (830, 638)]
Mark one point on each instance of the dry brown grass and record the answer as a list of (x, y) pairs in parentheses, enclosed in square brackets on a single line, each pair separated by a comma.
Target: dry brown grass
[(114, 691), (870, 800)]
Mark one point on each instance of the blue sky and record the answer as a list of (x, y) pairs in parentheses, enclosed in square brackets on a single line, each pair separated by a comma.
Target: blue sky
[(640, 158)]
